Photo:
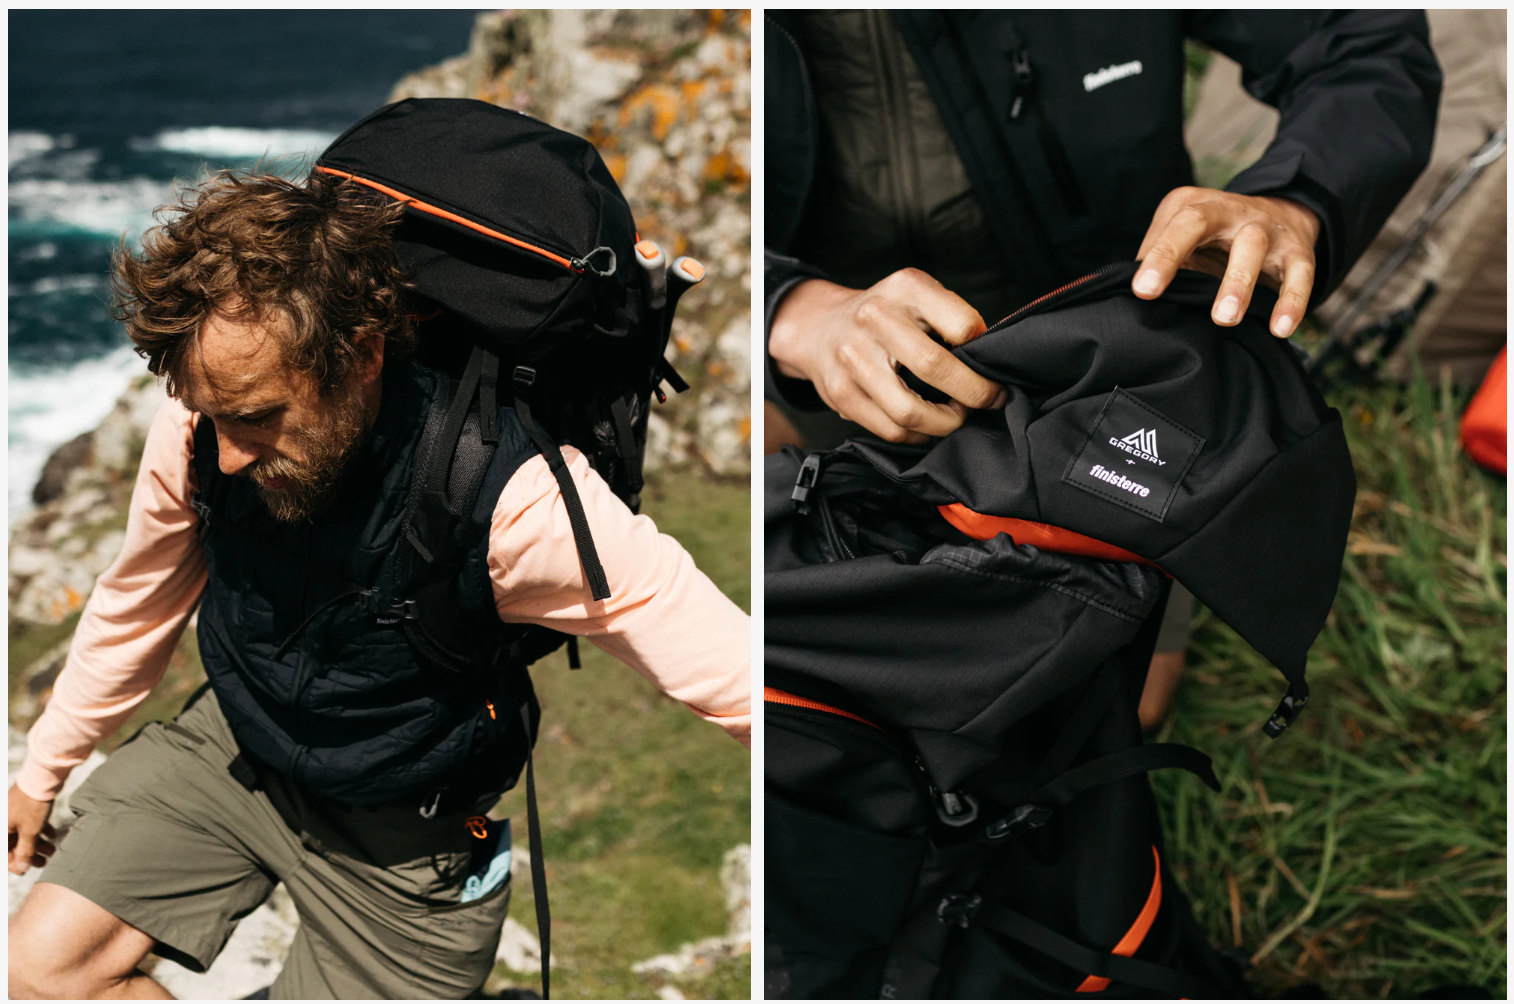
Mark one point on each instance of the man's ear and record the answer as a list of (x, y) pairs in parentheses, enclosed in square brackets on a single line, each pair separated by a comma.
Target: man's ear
[(370, 355)]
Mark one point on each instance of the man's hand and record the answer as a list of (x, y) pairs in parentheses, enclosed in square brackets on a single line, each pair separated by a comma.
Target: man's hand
[(1241, 238), (849, 343), (31, 835)]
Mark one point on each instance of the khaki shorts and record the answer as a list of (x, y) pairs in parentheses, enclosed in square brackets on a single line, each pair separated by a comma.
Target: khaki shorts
[(171, 843)]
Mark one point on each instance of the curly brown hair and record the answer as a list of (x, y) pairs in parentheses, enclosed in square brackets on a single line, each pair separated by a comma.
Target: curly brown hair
[(319, 253)]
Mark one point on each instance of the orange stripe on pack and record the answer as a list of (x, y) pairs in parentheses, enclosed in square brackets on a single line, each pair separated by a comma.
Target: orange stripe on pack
[(777, 696), (426, 207), (1137, 933), (979, 526)]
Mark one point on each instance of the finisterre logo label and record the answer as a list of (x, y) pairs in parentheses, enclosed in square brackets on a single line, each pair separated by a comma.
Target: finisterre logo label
[(1142, 443), (1119, 480), (1132, 455)]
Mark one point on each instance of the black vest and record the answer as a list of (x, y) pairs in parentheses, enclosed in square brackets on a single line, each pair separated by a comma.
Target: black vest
[(301, 628)]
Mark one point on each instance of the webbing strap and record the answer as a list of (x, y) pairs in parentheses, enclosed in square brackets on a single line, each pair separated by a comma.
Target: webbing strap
[(588, 557), (1172, 983), (625, 438), (1097, 697), (1126, 763), (538, 866)]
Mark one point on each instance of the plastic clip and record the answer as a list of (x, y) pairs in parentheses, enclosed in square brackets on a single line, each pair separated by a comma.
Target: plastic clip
[(809, 477), (959, 909), (1287, 711)]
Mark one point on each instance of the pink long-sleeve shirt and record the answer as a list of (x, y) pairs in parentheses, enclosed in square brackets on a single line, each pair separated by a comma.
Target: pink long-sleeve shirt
[(664, 617)]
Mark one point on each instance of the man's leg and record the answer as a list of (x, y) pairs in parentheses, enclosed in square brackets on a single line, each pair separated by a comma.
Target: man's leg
[(168, 853), (1167, 662), (63, 947)]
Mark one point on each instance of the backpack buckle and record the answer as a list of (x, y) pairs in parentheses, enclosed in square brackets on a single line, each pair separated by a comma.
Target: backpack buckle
[(404, 610), (1287, 710), (958, 908), (956, 809), (1024, 817), (523, 378)]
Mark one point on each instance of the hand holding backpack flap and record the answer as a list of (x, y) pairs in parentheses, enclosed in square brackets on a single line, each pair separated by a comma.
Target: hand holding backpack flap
[(957, 804)]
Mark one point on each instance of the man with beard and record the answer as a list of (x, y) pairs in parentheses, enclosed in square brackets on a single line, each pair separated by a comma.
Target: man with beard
[(276, 312)]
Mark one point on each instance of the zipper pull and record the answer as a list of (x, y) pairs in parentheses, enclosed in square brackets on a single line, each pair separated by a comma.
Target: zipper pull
[(1024, 78), (809, 477)]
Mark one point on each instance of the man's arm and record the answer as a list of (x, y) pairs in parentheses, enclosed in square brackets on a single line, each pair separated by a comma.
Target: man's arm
[(1358, 93), (133, 618), (664, 617)]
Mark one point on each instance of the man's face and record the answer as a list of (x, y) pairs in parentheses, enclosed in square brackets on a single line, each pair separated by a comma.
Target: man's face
[(273, 424)]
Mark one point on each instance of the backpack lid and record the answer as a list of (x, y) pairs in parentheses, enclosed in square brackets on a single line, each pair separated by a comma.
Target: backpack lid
[(513, 225), (1144, 425)]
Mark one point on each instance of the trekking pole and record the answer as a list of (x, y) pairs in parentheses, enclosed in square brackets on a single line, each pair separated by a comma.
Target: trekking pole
[(1341, 329), (686, 272), (654, 270)]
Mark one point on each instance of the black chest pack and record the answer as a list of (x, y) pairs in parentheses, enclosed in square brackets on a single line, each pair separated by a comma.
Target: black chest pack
[(957, 635)]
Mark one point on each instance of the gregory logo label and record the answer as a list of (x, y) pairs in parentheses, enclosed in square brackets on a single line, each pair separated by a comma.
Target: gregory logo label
[(1119, 480), (1109, 74), (1142, 443), (1131, 456)]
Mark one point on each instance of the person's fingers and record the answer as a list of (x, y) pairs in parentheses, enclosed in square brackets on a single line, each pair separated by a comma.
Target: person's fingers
[(908, 409), (939, 368), (941, 310), (22, 850), (1187, 228), (1293, 298), (865, 412), (1248, 255)]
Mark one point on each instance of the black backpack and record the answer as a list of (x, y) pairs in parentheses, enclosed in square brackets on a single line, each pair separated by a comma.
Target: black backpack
[(957, 635), (533, 288), (533, 285)]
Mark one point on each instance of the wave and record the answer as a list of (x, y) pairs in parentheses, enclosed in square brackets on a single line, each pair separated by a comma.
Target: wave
[(84, 283), (48, 407), (243, 144), (25, 145), (100, 207)]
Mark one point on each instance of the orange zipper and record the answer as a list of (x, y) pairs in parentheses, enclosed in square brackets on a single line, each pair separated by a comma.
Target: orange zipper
[(776, 696), (1138, 930), (426, 207)]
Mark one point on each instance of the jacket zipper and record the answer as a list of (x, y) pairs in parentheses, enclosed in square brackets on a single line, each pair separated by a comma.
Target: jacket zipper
[(569, 262), (772, 695), (1026, 99)]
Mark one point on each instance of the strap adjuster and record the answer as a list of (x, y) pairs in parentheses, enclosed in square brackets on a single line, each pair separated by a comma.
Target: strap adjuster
[(959, 909), (1287, 711), (523, 378), (1023, 818), (956, 809)]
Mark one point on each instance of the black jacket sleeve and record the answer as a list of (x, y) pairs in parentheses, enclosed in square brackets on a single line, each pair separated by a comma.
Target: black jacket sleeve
[(780, 274), (1358, 93)]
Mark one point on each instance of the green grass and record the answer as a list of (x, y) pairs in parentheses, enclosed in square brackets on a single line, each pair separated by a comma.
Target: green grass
[(1364, 850)]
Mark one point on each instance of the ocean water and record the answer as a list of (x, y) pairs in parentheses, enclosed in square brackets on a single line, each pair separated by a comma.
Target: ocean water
[(108, 111)]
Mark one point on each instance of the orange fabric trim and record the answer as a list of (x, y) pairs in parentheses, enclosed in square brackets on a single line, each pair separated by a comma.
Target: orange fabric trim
[(478, 826), (1138, 931), (777, 696), (426, 207), (1049, 538)]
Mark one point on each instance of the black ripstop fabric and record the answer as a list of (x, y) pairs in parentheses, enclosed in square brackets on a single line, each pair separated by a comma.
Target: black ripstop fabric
[(989, 669), (1255, 525), (314, 667), (515, 175)]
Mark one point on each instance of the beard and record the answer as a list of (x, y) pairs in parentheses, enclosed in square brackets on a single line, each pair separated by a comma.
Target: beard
[(310, 485)]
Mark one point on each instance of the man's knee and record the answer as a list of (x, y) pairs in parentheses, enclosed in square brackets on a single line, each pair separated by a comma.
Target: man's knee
[(64, 947)]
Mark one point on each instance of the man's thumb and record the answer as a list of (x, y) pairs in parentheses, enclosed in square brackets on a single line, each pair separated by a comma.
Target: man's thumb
[(21, 854)]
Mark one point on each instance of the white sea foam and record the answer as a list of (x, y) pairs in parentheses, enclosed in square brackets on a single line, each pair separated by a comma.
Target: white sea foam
[(22, 145), (102, 207), (49, 407), (88, 282), (242, 144)]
